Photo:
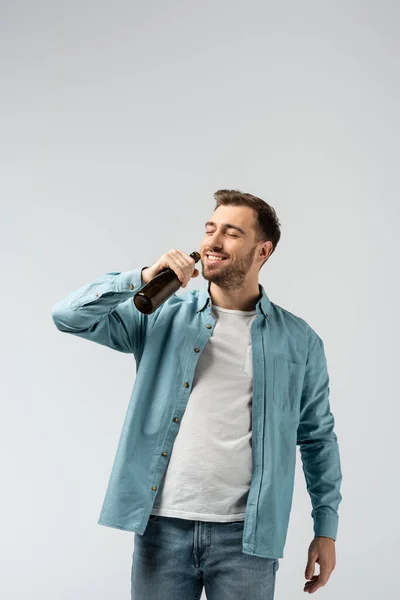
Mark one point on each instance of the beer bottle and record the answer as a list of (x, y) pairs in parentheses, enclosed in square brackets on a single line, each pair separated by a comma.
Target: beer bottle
[(159, 289)]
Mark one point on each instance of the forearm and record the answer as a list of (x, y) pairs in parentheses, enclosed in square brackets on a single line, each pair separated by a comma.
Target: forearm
[(322, 470), (318, 442), (98, 311)]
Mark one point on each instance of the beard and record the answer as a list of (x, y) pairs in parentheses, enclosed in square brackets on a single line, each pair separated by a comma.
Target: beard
[(230, 275)]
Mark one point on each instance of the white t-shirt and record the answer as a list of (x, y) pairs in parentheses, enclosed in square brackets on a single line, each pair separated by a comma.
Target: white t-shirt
[(208, 475)]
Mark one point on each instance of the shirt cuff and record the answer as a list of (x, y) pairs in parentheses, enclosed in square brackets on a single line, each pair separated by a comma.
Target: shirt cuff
[(326, 525), (130, 281)]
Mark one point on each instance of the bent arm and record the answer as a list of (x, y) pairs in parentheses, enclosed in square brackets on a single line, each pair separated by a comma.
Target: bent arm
[(103, 311)]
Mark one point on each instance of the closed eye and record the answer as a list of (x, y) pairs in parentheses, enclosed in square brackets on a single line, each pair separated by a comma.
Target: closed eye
[(230, 234)]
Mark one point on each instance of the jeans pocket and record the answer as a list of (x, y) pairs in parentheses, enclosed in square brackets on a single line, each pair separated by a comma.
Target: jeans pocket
[(153, 517)]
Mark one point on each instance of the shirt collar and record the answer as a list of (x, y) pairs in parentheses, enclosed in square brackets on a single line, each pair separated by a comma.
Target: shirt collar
[(263, 304)]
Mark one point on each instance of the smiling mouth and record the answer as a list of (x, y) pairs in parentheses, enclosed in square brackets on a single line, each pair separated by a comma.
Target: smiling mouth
[(215, 260)]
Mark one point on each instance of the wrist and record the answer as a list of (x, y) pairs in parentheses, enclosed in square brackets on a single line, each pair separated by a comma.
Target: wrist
[(145, 275)]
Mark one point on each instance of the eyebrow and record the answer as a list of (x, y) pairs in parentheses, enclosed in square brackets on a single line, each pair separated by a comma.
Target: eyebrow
[(226, 226)]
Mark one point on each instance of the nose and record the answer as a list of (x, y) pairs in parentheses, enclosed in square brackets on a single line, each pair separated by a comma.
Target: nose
[(214, 241)]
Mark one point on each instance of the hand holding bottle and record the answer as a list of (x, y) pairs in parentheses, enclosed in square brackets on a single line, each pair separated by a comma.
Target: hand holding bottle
[(170, 272), (181, 263)]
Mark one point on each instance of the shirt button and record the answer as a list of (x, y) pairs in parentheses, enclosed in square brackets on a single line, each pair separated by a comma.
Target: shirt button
[(208, 326), (197, 349), (131, 287), (176, 419), (154, 488), (96, 294), (186, 385), (163, 453)]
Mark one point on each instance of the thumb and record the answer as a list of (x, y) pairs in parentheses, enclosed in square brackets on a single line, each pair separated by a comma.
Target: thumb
[(195, 273), (309, 572)]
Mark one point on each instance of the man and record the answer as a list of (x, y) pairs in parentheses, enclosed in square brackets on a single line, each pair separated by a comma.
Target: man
[(227, 385)]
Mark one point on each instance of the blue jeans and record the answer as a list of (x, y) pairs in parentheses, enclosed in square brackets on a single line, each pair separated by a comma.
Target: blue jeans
[(175, 558)]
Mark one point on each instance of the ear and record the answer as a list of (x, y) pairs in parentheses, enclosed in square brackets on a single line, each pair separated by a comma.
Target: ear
[(266, 250)]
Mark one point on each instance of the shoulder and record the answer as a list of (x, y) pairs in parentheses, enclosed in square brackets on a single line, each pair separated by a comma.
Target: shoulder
[(294, 323), (183, 304), (184, 297)]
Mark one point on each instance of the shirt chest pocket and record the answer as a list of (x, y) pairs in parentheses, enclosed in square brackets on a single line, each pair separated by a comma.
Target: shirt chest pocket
[(287, 383)]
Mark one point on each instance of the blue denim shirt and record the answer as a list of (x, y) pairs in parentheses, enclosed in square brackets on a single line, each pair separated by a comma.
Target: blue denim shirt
[(290, 404)]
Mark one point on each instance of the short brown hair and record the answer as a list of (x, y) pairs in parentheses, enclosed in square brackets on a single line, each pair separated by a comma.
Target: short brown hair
[(267, 224)]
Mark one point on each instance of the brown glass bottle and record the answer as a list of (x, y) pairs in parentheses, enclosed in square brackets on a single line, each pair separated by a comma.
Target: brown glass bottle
[(159, 289)]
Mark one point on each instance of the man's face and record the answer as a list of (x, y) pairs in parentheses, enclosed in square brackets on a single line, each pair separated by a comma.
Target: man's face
[(230, 232)]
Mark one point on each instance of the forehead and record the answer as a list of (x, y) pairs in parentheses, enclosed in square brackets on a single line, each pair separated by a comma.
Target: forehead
[(242, 216)]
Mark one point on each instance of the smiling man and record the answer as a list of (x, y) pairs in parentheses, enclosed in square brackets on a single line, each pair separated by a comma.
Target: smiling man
[(228, 384)]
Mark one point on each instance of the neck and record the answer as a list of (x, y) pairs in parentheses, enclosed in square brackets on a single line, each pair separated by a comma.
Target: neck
[(244, 298)]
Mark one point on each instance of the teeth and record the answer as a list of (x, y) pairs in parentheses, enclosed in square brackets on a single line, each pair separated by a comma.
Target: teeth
[(211, 257)]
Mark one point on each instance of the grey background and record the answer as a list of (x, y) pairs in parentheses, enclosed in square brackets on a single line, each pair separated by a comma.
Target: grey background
[(118, 122)]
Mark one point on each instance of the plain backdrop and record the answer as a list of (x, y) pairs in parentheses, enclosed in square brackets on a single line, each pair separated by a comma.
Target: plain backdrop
[(119, 120)]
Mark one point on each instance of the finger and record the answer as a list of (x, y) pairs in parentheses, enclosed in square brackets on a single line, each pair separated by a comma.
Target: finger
[(178, 266), (190, 271), (310, 568), (313, 586), (169, 260), (180, 273), (187, 263), (324, 573)]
